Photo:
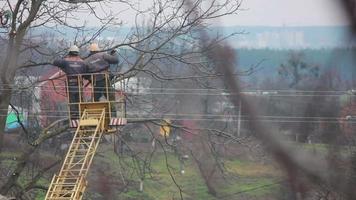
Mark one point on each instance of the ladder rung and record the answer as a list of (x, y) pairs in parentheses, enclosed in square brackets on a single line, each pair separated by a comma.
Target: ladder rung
[(83, 143), (78, 151), (86, 138), (89, 138), (67, 179), (75, 160), (74, 153), (70, 177), (71, 166), (71, 170), (65, 184), (77, 156), (62, 196)]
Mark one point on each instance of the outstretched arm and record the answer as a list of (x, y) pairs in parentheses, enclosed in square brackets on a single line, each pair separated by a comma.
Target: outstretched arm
[(111, 58)]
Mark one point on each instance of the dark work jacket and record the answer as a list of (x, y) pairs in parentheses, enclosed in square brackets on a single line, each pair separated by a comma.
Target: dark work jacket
[(100, 62), (71, 66)]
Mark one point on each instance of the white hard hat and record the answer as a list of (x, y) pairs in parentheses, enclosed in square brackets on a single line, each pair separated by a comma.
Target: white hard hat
[(74, 48), (94, 47)]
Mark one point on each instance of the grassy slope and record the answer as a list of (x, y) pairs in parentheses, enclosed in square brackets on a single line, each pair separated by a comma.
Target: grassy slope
[(250, 178), (243, 177)]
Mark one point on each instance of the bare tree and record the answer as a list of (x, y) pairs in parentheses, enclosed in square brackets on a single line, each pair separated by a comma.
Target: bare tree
[(167, 40)]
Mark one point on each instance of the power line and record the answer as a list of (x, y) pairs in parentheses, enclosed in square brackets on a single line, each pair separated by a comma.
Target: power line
[(198, 89), (217, 120), (204, 94), (213, 115), (208, 89)]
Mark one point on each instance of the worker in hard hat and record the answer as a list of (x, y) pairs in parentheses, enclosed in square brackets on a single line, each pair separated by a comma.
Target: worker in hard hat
[(99, 62), (72, 65)]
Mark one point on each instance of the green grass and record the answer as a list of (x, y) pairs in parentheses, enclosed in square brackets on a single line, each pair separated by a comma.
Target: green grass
[(134, 195), (250, 169), (319, 148), (164, 188), (249, 178), (40, 195), (9, 155), (9, 162), (253, 186), (254, 178)]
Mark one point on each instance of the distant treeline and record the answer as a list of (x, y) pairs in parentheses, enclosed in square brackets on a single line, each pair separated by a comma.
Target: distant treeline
[(270, 59)]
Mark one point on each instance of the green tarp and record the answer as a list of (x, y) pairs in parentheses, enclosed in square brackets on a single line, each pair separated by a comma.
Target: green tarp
[(12, 117)]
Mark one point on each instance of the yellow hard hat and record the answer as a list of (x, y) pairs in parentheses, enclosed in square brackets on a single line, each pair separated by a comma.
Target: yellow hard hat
[(74, 48), (94, 47)]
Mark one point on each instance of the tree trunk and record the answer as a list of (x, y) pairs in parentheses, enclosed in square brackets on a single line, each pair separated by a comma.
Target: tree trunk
[(22, 161), (207, 180), (4, 103), (206, 172), (9, 66), (141, 185), (4, 198)]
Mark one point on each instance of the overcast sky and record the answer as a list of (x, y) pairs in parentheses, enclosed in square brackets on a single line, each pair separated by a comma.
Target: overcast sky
[(279, 13), (256, 12), (288, 12)]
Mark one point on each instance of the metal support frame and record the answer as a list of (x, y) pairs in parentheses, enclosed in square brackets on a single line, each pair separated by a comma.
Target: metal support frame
[(71, 183)]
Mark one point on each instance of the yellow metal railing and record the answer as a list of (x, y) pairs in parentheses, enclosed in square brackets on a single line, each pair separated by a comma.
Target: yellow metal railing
[(89, 89)]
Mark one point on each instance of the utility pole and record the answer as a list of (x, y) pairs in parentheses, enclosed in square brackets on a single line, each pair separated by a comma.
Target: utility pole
[(239, 121)]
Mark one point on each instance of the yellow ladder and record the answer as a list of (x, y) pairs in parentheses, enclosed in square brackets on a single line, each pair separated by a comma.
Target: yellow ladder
[(70, 183)]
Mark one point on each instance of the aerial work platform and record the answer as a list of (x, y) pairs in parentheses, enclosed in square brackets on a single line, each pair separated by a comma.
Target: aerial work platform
[(112, 95), (96, 119)]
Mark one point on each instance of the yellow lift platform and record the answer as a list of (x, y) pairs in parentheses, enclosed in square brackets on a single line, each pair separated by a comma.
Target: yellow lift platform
[(96, 119)]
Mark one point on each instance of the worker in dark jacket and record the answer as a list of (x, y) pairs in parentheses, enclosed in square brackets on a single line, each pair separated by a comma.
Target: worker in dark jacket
[(72, 65), (99, 62)]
